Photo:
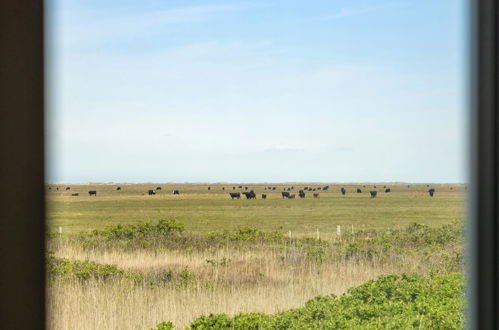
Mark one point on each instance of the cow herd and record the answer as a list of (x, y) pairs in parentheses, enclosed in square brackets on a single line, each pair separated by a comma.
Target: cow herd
[(286, 193), (94, 192), (301, 193)]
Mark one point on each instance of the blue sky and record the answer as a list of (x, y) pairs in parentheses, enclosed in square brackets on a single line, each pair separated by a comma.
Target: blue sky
[(256, 91)]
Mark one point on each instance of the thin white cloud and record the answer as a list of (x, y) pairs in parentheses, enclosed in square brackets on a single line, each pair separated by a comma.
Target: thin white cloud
[(88, 31), (348, 12)]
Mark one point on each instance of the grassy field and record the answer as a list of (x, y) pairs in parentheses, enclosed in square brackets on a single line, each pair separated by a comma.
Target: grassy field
[(178, 276), (202, 210)]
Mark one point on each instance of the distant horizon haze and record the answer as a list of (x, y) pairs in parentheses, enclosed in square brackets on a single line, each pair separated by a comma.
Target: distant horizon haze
[(257, 183)]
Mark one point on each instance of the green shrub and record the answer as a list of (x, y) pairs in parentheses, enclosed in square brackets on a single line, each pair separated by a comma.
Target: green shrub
[(370, 244), (391, 302), (245, 234), (164, 326), (186, 279), (62, 268), (441, 243), (147, 230)]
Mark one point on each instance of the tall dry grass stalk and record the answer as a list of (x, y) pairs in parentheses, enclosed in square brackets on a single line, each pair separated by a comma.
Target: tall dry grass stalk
[(253, 280)]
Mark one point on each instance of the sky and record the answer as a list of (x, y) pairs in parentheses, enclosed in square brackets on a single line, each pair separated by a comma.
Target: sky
[(256, 91)]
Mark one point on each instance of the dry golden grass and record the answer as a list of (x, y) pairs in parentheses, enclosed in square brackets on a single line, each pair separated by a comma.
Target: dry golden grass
[(252, 281)]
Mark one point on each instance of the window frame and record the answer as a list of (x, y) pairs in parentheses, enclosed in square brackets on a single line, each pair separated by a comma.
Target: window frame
[(482, 234), (22, 201), (22, 197)]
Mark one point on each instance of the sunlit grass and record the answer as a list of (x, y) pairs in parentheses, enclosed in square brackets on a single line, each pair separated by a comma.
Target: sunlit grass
[(202, 210)]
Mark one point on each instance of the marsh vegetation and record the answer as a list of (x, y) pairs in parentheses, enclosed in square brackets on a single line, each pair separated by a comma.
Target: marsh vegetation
[(130, 261)]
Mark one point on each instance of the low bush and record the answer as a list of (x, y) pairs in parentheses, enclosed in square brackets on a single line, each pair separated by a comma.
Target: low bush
[(391, 302), (434, 243), (164, 326), (62, 268), (161, 229), (415, 238)]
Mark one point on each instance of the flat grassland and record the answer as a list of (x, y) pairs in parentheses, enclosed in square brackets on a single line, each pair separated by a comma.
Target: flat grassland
[(203, 210), (218, 264)]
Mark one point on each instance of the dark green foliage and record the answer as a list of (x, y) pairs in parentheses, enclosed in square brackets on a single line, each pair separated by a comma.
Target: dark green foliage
[(244, 235), (409, 301), (66, 269), (164, 326), (248, 321), (440, 246), (62, 268), (162, 229), (170, 235), (369, 244), (133, 236)]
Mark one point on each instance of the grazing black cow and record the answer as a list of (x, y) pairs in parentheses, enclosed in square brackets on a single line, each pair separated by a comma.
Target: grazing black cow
[(313, 189), (56, 188), (50, 188), (92, 192), (301, 193), (306, 188), (289, 189), (176, 192), (373, 194), (245, 188), (387, 190), (151, 192), (158, 188), (316, 195), (223, 188), (209, 188), (75, 194), (235, 195), (363, 186), (119, 188), (233, 188), (292, 187), (343, 191), (431, 192), (240, 187), (325, 188), (273, 188), (68, 188), (359, 191), (250, 194), (285, 194), (264, 196), (319, 188)]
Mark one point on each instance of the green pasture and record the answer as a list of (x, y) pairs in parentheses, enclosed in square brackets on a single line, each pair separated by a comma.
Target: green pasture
[(203, 210)]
